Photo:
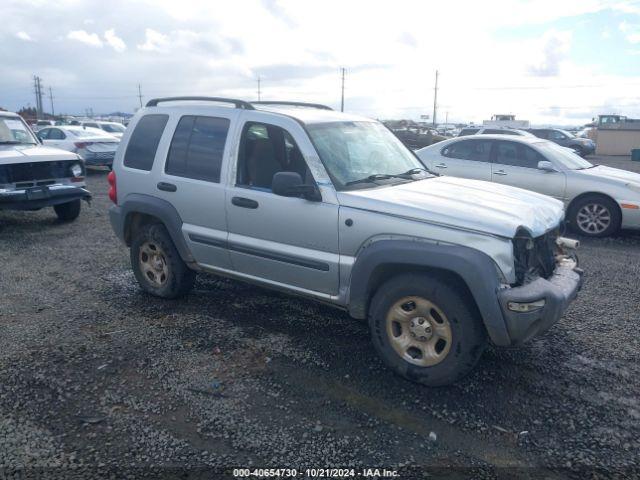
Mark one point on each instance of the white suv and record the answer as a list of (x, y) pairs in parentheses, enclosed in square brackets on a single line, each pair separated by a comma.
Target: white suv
[(332, 206)]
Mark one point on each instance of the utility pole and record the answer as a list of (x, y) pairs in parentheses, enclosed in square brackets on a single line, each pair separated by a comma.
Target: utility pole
[(258, 87), (38, 92), (53, 113), (342, 97), (446, 118), (435, 100), (140, 95)]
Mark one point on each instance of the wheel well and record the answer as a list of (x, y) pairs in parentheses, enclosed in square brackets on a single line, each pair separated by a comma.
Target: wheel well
[(573, 202), (387, 271), (135, 221)]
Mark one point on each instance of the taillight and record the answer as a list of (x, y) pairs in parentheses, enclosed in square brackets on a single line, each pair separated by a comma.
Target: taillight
[(113, 192), (82, 144)]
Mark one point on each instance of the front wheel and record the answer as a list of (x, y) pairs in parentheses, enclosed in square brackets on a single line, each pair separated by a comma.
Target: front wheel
[(67, 212), (425, 330), (595, 216), (157, 265)]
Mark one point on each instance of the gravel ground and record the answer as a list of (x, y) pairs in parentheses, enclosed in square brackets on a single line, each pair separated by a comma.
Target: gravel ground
[(98, 380)]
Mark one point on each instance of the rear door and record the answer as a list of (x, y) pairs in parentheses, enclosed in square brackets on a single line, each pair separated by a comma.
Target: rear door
[(192, 180), (516, 164), (468, 158), (55, 137)]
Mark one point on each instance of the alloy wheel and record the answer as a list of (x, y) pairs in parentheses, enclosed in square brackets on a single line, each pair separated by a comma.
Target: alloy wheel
[(593, 218)]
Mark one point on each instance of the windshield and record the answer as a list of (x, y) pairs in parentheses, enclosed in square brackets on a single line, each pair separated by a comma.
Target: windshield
[(568, 134), (111, 128), (564, 156), (352, 151), (14, 131)]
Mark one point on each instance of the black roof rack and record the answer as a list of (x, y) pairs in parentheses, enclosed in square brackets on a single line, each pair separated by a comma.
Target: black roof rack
[(293, 104), (238, 103)]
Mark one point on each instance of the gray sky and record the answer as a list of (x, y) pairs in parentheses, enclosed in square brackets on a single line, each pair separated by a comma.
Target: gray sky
[(546, 61)]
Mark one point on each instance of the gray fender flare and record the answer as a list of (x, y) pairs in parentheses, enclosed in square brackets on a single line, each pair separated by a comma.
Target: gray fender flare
[(475, 268), (120, 216)]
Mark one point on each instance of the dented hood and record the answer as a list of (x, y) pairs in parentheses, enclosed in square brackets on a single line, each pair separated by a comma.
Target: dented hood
[(32, 153), (462, 203)]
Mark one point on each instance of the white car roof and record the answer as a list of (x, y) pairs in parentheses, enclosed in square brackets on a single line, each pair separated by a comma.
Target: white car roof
[(8, 114)]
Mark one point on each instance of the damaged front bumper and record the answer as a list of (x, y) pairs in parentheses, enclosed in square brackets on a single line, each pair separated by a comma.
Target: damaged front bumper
[(33, 198), (531, 309)]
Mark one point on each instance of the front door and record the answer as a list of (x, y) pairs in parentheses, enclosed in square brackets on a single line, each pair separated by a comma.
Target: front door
[(516, 164), (283, 240)]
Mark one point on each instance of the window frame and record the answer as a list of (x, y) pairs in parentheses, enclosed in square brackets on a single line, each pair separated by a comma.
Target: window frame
[(479, 139), (158, 144), (240, 157), (188, 145), (519, 145)]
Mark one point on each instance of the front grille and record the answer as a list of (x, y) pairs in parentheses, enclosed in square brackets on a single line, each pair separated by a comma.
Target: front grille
[(35, 171), (534, 257)]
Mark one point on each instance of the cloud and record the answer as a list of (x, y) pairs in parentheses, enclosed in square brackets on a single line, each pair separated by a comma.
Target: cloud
[(555, 47), (408, 39), (630, 31), (82, 36), (114, 41), (24, 36), (154, 41)]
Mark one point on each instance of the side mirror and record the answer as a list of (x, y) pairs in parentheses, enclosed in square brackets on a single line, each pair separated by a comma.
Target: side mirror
[(289, 184), (546, 166)]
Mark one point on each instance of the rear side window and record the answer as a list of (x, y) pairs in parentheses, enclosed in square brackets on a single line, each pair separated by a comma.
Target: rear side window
[(495, 131), (144, 140), (476, 150), (468, 131), (197, 148)]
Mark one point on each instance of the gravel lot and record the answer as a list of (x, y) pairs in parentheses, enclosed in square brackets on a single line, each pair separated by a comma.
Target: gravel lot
[(99, 380)]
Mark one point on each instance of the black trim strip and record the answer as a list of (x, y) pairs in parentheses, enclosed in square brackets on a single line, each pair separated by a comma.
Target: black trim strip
[(324, 267)]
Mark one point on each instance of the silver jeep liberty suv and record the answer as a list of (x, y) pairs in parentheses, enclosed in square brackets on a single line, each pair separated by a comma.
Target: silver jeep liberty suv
[(300, 198)]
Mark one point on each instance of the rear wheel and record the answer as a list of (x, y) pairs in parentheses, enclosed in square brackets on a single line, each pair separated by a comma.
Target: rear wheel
[(157, 264), (425, 330), (595, 216), (67, 212)]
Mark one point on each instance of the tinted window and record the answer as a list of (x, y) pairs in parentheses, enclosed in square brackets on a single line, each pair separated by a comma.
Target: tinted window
[(56, 134), (468, 131), (556, 135), (541, 133), (517, 155), (477, 150), (197, 148), (43, 134), (144, 140), (497, 131)]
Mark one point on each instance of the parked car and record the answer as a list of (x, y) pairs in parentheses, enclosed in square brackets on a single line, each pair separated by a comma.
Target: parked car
[(33, 176), (41, 124), (334, 207), (112, 128), (582, 146), (493, 131), (95, 146), (415, 138), (599, 200)]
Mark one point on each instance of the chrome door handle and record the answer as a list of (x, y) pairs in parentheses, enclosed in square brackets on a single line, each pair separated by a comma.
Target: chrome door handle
[(441, 165), (500, 172)]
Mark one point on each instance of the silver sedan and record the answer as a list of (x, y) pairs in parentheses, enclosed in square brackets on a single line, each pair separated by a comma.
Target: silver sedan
[(599, 200)]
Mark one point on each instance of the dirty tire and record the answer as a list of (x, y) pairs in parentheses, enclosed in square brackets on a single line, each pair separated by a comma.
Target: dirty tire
[(67, 212), (615, 217), (179, 278), (469, 337)]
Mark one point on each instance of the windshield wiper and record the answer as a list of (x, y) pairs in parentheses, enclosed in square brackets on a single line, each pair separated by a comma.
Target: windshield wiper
[(408, 175)]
